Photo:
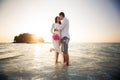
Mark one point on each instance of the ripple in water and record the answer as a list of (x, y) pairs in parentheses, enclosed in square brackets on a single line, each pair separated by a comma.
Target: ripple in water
[(88, 61)]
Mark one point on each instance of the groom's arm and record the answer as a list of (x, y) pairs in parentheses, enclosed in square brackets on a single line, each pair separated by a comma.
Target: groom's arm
[(62, 25)]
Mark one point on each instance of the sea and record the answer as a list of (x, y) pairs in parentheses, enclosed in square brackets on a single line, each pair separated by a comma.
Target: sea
[(88, 61)]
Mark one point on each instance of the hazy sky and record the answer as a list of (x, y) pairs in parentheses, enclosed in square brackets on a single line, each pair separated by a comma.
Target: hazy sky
[(90, 20)]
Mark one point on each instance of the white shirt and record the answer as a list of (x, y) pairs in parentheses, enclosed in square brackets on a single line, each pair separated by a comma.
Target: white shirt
[(64, 27), (55, 26)]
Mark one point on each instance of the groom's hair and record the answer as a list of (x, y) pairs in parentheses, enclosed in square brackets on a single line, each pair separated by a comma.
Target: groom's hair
[(62, 14)]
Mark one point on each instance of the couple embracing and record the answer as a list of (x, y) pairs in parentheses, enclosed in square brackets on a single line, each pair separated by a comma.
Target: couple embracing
[(61, 37)]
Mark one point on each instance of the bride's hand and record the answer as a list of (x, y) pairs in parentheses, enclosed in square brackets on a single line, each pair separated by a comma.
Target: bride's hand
[(56, 29)]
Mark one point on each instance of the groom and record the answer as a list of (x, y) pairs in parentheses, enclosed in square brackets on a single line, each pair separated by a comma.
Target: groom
[(64, 27)]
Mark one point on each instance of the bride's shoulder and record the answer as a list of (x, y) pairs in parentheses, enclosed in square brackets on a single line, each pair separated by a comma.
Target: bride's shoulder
[(55, 24)]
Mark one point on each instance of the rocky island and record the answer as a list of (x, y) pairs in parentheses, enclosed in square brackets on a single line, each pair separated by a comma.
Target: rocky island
[(27, 38)]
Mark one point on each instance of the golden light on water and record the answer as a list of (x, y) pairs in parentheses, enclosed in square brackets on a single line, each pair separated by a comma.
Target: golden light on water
[(37, 50)]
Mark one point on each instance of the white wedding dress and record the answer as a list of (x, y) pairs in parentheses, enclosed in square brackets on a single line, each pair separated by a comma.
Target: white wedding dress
[(56, 43)]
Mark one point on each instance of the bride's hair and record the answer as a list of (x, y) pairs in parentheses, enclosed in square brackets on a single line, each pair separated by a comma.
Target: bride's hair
[(56, 20)]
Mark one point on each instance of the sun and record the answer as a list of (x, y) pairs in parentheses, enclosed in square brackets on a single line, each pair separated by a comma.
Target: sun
[(37, 35)]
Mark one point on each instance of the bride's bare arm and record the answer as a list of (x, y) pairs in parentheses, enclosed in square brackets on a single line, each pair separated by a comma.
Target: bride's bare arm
[(52, 29)]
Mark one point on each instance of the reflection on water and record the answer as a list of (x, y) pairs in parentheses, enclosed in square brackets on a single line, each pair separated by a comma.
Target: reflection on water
[(37, 50), (35, 62)]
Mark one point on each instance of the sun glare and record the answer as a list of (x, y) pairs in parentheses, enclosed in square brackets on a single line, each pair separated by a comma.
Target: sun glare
[(37, 50), (37, 35)]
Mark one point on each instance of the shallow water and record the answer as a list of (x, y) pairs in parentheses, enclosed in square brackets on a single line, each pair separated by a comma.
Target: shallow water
[(88, 61)]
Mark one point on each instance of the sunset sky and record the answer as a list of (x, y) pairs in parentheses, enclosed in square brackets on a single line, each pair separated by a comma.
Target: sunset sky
[(90, 20)]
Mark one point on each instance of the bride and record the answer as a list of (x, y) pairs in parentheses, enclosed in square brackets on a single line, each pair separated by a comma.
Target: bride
[(56, 37)]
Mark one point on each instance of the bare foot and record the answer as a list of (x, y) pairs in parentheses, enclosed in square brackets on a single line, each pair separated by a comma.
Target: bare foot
[(65, 64), (58, 62), (52, 49)]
